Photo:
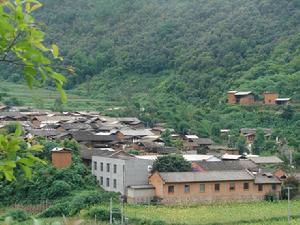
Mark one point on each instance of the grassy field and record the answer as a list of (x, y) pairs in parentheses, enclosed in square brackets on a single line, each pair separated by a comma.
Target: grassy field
[(260, 213), (42, 98)]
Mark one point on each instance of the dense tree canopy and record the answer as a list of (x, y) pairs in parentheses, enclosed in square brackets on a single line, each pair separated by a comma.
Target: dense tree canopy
[(172, 163), (173, 61)]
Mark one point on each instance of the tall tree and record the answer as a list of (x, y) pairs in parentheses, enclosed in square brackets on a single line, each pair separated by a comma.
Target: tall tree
[(22, 45), (172, 163), (258, 142)]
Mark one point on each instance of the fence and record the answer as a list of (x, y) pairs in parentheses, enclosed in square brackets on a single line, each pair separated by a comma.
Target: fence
[(33, 208)]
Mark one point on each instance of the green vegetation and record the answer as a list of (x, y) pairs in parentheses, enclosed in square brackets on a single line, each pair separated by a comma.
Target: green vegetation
[(258, 213), (45, 98), (171, 163), (176, 64), (16, 155), (22, 44)]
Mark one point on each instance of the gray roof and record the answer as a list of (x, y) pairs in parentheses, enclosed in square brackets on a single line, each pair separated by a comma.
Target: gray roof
[(44, 132), (204, 141), (220, 147), (266, 179), (138, 132), (76, 126), (89, 136), (266, 160), (209, 176), (227, 165)]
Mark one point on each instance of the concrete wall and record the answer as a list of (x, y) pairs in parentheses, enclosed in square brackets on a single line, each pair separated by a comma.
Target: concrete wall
[(140, 195), (111, 175), (210, 195), (136, 171)]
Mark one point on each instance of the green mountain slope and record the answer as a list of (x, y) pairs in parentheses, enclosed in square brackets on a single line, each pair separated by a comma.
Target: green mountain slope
[(174, 60)]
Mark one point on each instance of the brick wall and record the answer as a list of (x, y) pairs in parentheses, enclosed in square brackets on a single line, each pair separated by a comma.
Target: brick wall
[(270, 98), (61, 159), (209, 195)]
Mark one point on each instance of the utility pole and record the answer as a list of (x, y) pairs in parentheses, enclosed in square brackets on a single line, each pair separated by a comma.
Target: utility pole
[(289, 203), (122, 210), (110, 212)]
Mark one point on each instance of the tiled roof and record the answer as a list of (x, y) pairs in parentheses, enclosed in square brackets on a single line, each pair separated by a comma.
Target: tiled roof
[(266, 179), (227, 165), (266, 160), (181, 177)]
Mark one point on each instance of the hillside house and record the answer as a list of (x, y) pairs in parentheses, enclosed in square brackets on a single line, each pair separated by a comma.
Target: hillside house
[(119, 170), (242, 98), (193, 142), (211, 186), (249, 133)]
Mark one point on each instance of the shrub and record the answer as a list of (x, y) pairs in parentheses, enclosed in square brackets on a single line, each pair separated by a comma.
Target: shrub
[(17, 214), (58, 189), (56, 210), (158, 222), (271, 196), (98, 213), (86, 199)]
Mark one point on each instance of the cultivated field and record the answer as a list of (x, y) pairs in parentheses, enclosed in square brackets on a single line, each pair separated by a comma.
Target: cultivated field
[(42, 98), (260, 213)]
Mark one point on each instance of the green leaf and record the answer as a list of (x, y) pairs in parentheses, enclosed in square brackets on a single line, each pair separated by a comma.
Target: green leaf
[(36, 6), (27, 171), (55, 50)]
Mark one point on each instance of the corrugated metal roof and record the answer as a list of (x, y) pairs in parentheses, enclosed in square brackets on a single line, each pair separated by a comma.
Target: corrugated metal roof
[(243, 93), (209, 176)]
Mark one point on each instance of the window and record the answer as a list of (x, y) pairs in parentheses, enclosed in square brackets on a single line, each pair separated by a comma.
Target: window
[(107, 182), (115, 183), (101, 180), (115, 168), (95, 165), (217, 187), (170, 189), (186, 188), (246, 186), (202, 188), (101, 166), (231, 186), (274, 187), (107, 167), (260, 187)]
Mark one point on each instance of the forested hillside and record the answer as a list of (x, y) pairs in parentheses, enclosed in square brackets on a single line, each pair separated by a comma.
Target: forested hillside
[(174, 60)]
